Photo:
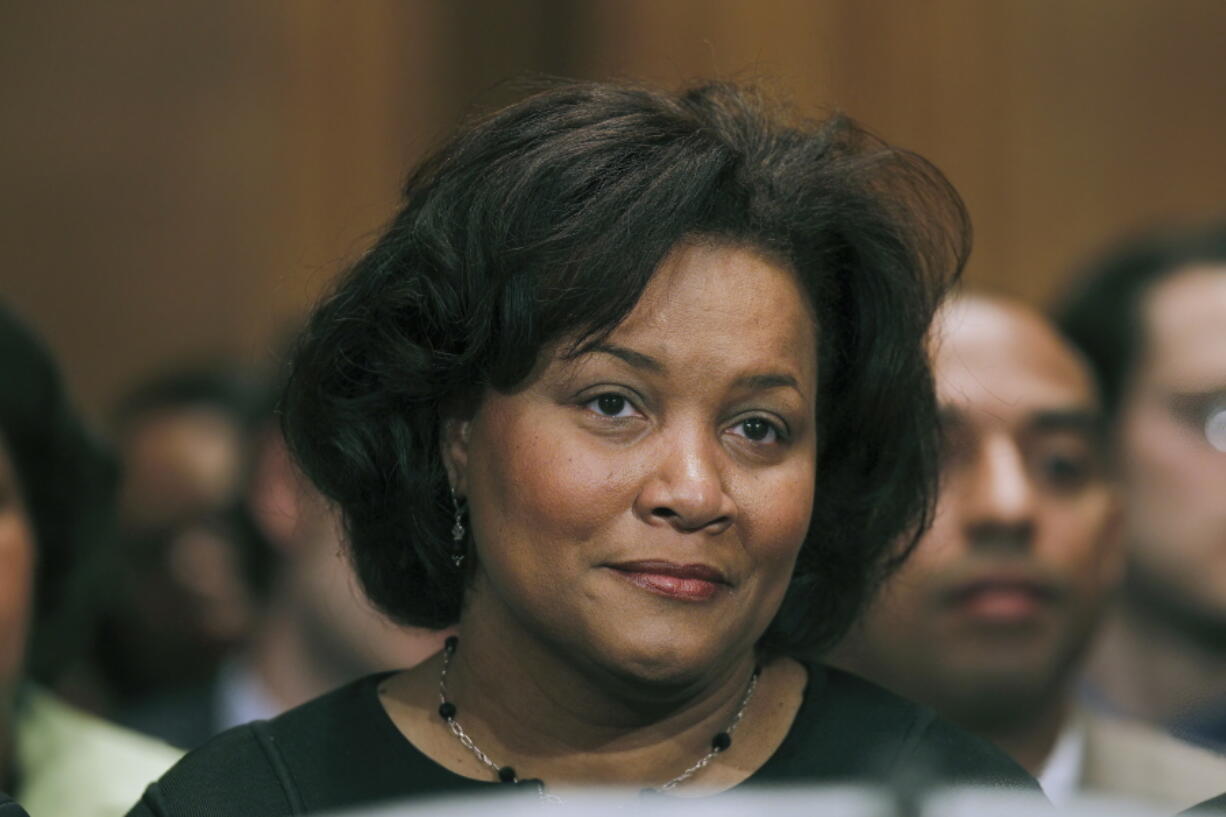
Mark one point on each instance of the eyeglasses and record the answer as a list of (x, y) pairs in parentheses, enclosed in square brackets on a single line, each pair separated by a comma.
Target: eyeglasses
[(1205, 412)]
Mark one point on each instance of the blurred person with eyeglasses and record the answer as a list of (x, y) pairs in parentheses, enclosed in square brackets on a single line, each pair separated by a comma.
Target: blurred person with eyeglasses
[(1150, 317), (990, 619)]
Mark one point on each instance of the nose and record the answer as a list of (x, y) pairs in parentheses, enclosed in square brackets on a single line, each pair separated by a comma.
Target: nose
[(686, 485), (1000, 498)]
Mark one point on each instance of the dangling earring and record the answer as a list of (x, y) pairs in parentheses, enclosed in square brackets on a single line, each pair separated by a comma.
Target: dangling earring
[(457, 532)]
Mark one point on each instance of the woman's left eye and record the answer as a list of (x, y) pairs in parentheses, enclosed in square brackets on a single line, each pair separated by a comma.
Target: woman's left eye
[(611, 405), (758, 430)]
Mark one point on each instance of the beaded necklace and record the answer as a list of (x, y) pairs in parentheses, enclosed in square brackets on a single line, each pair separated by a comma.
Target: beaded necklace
[(507, 774)]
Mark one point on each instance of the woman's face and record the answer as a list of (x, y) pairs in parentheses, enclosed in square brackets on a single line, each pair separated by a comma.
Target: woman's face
[(640, 506), (16, 575)]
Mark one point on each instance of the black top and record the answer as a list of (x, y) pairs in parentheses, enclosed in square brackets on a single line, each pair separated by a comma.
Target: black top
[(184, 718), (342, 750)]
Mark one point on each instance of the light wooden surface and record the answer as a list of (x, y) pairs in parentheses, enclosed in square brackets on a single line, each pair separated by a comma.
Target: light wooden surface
[(182, 179)]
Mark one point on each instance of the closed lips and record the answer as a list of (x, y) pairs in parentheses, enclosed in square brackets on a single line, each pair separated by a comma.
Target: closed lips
[(1029, 587), (690, 583), (700, 572)]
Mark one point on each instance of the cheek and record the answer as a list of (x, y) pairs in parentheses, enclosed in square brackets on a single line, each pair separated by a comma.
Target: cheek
[(1078, 541), (774, 513), (942, 543), (906, 595), (16, 592), (544, 484), (941, 549), (1172, 484), (1162, 461), (899, 618)]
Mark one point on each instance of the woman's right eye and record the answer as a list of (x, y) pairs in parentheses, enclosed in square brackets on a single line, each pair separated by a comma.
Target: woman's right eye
[(611, 405)]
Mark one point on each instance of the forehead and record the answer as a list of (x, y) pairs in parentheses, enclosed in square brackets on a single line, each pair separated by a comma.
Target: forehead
[(180, 460), (710, 305), (1185, 318), (1004, 362)]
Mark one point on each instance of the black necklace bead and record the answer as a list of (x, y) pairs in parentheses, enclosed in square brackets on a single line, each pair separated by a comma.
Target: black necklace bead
[(506, 774)]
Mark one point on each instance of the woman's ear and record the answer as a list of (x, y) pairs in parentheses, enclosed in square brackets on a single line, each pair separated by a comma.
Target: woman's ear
[(454, 450)]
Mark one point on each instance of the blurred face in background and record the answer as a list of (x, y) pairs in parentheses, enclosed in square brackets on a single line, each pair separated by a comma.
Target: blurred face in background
[(178, 462), (1172, 448), (343, 630), (998, 602), (17, 557), (186, 601)]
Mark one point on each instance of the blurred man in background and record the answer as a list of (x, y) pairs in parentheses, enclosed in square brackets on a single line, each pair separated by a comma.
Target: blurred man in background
[(309, 628), (57, 488), (184, 564), (316, 630), (988, 620), (1151, 320)]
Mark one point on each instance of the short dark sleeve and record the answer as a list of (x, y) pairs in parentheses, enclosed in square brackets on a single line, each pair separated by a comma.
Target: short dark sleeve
[(849, 729), (149, 805), (938, 750), (338, 751), (10, 809), (238, 772)]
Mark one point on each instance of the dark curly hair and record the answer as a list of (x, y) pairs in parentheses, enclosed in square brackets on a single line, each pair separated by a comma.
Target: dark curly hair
[(545, 221), (67, 478), (1103, 312)]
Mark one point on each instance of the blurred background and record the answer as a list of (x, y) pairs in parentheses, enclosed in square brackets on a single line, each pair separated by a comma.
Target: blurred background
[(183, 179)]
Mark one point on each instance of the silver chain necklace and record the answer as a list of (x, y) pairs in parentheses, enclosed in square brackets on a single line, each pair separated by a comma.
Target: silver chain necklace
[(506, 774)]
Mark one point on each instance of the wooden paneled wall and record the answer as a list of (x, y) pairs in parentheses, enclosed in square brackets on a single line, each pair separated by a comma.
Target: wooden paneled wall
[(182, 179)]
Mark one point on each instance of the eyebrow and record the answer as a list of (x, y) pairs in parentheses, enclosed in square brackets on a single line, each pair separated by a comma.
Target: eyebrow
[(638, 360), (1082, 421), (1193, 402), (771, 380)]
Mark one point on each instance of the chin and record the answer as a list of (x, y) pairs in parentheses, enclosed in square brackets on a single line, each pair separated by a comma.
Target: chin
[(665, 663)]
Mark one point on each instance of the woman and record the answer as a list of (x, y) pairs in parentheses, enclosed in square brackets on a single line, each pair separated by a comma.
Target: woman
[(634, 390), (56, 493)]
